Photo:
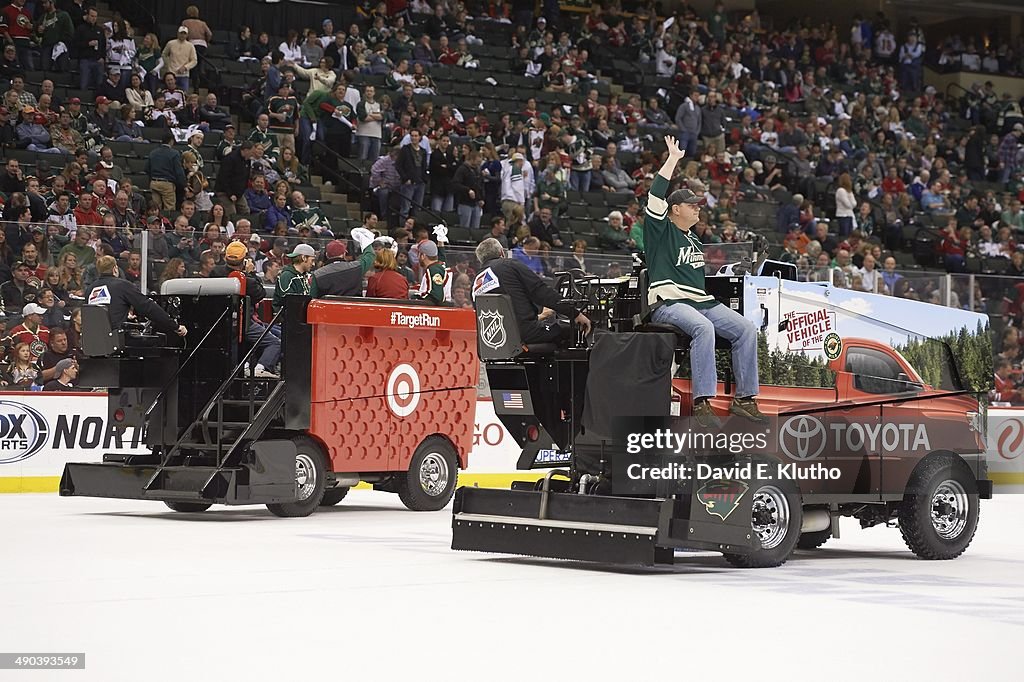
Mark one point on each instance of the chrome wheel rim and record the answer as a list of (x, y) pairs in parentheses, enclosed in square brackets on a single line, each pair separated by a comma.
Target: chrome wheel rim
[(305, 476), (949, 509), (433, 474), (770, 516)]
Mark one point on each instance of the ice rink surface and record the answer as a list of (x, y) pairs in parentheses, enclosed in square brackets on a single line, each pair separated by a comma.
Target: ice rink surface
[(369, 591)]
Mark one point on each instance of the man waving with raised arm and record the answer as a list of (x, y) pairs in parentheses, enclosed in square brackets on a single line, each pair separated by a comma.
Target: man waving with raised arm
[(675, 270)]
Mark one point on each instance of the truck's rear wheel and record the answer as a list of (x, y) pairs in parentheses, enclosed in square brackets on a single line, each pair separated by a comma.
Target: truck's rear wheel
[(310, 477), (333, 496), (939, 514), (188, 507), (429, 483), (776, 517), (813, 540)]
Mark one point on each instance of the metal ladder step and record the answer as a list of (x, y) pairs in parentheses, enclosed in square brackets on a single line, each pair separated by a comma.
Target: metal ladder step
[(204, 446)]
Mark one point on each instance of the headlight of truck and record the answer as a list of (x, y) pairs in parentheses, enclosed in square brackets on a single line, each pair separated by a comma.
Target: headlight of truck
[(978, 421)]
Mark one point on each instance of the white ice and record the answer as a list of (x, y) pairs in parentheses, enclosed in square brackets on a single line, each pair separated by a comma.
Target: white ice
[(370, 591)]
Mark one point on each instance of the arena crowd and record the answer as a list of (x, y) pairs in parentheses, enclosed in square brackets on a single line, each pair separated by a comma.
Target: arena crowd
[(820, 143)]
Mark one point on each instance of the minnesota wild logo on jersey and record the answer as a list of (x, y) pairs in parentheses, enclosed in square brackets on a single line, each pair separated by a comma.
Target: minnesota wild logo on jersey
[(692, 256)]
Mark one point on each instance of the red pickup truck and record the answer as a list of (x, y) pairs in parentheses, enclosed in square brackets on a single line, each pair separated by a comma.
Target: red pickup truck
[(874, 428)]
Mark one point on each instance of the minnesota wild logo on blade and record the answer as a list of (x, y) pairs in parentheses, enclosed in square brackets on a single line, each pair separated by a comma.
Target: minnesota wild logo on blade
[(492, 329), (721, 498)]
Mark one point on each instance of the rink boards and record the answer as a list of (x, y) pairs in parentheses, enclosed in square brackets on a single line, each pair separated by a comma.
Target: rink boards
[(41, 432)]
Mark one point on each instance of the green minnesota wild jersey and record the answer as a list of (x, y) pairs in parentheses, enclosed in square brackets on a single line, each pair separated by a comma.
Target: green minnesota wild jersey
[(675, 259), (436, 283)]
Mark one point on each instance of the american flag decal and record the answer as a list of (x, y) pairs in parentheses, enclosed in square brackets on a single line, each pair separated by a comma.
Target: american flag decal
[(512, 401)]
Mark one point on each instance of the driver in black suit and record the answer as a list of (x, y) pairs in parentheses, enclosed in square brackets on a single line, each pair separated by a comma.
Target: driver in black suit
[(534, 302)]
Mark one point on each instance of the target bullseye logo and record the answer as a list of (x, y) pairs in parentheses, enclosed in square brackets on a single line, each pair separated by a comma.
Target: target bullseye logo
[(403, 392)]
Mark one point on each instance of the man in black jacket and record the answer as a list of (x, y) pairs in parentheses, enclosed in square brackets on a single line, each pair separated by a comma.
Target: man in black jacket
[(468, 187), (412, 169), (529, 294), (92, 48), (119, 295), (339, 277), (442, 168), (233, 178), (113, 88), (543, 228)]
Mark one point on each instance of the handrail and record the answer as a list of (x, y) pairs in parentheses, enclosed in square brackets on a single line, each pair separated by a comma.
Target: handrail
[(358, 170), (160, 395), (957, 85), (351, 168), (204, 414)]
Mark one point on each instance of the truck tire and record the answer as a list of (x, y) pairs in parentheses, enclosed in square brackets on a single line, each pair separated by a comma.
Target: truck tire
[(311, 476), (776, 519), (333, 496), (813, 540), (429, 483), (188, 507), (939, 514)]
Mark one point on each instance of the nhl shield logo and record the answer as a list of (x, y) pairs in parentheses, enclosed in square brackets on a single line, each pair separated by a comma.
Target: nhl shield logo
[(492, 329), (720, 498)]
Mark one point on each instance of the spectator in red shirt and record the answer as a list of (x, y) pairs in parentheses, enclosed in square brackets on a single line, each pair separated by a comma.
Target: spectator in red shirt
[(85, 212), (1006, 390), (387, 282), (31, 330), (530, 112), (446, 54), (892, 183), (102, 194), (16, 25), (954, 247)]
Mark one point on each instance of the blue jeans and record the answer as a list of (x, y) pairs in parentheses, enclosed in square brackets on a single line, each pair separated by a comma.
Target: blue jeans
[(469, 215), (369, 147), (1004, 175), (383, 203), (411, 194), (579, 181), (26, 53), (90, 73), (688, 143), (303, 144), (270, 347), (442, 202), (701, 326)]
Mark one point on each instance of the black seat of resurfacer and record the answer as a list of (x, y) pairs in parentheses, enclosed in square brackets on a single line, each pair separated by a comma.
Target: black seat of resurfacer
[(99, 339), (498, 335)]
